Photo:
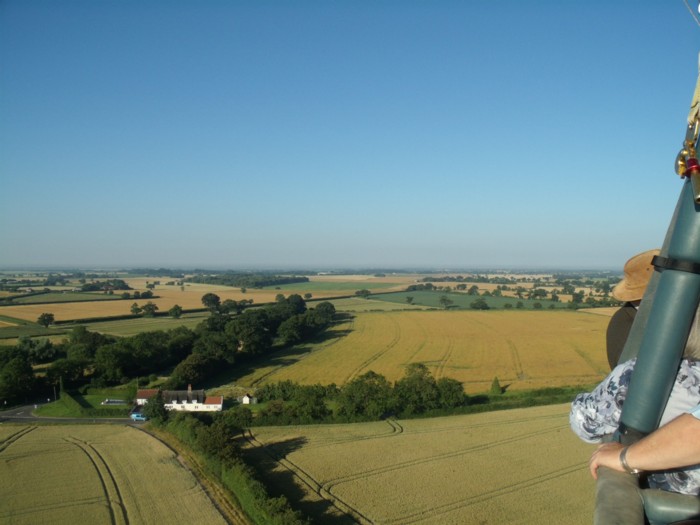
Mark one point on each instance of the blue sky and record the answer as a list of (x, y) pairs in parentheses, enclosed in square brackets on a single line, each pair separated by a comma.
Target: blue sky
[(323, 134)]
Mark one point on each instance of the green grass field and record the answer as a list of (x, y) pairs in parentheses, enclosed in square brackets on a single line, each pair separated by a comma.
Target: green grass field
[(325, 286), (129, 327)]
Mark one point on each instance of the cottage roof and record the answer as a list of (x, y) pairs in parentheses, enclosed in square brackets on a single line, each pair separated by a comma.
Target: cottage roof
[(146, 393), (214, 400), (184, 396)]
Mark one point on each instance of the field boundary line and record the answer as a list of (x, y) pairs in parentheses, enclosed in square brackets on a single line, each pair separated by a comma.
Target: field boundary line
[(15, 437), (307, 479)]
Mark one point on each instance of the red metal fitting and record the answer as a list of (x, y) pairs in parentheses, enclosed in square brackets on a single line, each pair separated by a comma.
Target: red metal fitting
[(692, 166)]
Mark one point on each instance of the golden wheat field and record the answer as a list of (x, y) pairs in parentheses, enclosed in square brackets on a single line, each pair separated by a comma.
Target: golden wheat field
[(469, 469), (96, 474), (524, 349)]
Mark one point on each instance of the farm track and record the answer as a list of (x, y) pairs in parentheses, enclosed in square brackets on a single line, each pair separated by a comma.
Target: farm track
[(117, 510), (430, 516), (394, 429), (15, 437), (308, 480), (367, 362), (440, 370), (485, 425), (589, 361), (40, 508), (328, 485)]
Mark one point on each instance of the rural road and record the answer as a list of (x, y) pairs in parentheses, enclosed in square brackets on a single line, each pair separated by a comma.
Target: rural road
[(24, 414)]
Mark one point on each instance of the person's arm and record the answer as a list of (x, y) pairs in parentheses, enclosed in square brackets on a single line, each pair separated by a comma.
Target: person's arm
[(674, 445), (597, 414)]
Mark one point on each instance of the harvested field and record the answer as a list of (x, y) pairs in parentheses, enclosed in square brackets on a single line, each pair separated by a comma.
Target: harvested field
[(524, 349), (97, 474), (453, 470)]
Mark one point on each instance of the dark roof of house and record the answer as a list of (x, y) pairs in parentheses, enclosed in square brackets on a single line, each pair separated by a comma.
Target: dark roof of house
[(181, 396)]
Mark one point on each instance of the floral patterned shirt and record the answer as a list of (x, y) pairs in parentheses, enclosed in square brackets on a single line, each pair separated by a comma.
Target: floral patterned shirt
[(597, 414)]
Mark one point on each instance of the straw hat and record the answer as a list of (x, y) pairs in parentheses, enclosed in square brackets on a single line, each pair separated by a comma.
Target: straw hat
[(638, 271)]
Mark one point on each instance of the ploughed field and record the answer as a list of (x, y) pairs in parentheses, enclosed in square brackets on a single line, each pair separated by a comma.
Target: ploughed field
[(516, 466), (97, 474), (524, 349)]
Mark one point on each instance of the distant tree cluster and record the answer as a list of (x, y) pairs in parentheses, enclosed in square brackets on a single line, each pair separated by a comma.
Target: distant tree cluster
[(245, 280), (110, 284)]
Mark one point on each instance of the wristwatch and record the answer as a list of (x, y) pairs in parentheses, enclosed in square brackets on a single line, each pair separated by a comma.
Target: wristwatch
[(623, 462)]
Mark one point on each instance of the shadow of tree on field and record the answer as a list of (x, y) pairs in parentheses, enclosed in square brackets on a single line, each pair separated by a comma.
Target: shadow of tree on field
[(247, 365), (281, 481)]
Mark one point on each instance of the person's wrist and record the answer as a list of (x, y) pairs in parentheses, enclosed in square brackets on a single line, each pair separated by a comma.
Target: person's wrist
[(625, 465)]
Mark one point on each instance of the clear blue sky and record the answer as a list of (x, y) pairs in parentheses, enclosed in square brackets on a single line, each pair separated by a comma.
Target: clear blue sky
[(443, 134)]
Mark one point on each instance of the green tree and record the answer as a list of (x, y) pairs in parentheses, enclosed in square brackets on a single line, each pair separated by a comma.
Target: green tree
[(417, 391), (479, 304), (364, 293), (155, 410), (16, 380), (445, 301), (451, 393), (211, 301), (251, 331), (409, 299), (135, 309), (149, 309), (473, 290), (496, 387), (70, 370), (175, 312), (367, 396), (45, 319), (307, 296)]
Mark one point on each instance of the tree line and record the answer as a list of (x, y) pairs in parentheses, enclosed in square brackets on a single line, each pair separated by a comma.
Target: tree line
[(227, 336), (244, 280), (368, 397)]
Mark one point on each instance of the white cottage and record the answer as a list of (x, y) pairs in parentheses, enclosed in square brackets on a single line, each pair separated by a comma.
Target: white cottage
[(183, 400)]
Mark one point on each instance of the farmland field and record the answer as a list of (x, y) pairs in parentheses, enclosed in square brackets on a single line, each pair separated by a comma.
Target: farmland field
[(97, 474), (129, 327), (524, 349), (454, 470), (66, 297)]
